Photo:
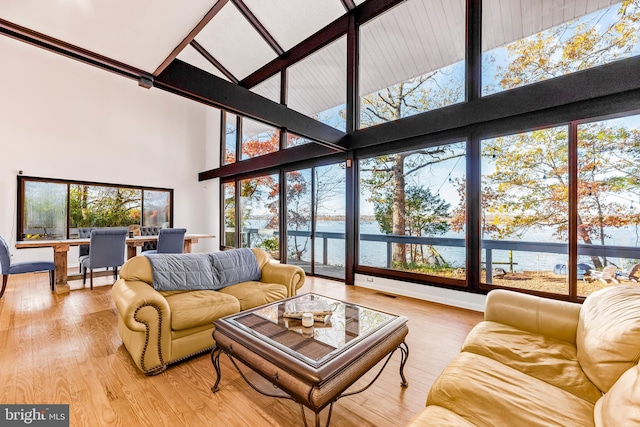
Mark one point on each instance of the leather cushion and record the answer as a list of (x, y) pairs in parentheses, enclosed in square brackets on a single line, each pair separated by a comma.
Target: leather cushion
[(196, 308), (487, 393), (254, 294), (621, 405), (550, 360), (608, 335)]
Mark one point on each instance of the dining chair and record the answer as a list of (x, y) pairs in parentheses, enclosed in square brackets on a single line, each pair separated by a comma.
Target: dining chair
[(149, 230), (106, 249), (22, 267), (84, 233), (170, 241)]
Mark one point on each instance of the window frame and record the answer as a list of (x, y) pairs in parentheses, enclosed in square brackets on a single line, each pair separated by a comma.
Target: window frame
[(22, 179)]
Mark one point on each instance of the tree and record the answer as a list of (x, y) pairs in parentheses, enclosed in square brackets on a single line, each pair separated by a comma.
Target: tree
[(387, 184), (572, 46), (529, 187), (425, 92), (426, 215), (95, 206)]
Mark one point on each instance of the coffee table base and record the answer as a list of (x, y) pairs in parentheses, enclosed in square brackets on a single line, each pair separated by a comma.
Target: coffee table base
[(215, 360)]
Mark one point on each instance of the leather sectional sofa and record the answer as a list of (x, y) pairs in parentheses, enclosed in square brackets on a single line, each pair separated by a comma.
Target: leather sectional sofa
[(542, 362), (159, 328)]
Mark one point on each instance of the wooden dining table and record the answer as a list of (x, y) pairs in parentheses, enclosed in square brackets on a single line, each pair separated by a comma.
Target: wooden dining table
[(61, 251)]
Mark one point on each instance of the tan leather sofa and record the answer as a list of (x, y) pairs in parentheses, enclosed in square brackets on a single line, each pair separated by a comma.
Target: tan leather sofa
[(542, 362), (159, 328)]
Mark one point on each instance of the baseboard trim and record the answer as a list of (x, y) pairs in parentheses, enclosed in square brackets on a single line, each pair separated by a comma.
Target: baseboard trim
[(460, 299)]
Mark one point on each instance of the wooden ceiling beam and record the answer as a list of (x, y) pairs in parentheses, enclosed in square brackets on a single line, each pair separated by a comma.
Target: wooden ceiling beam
[(257, 25), (51, 44), (213, 61), (348, 5), (338, 28), (189, 81), (269, 161), (191, 36)]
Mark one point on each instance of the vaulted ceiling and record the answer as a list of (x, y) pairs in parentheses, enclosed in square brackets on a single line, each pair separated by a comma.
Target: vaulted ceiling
[(249, 43)]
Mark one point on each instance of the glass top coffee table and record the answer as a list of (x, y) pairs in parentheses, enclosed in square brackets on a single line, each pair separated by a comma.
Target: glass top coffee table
[(315, 365)]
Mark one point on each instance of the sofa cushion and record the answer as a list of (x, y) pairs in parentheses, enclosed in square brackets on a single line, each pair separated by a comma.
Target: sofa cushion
[(486, 392), (195, 308), (608, 335), (550, 360), (621, 405), (254, 294)]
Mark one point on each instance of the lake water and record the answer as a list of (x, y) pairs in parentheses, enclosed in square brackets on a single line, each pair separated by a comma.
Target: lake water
[(375, 253)]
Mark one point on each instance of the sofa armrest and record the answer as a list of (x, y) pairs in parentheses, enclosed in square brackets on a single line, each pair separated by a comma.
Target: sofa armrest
[(545, 316), (146, 315), (289, 275)]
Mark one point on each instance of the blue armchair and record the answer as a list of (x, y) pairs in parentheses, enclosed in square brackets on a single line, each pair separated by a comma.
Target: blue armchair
[(106, 249), (170, 241), (21, 267)]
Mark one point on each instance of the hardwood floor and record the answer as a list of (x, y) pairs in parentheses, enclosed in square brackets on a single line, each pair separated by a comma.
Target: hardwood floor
[(66, 349)]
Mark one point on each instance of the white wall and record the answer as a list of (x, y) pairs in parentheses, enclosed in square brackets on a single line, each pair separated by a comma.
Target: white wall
[(60, 118)]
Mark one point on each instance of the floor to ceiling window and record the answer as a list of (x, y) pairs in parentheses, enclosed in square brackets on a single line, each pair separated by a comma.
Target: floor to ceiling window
[(259, 213), (316, 219), (518, 196), (413, 211), (608, 201), (525, 210)]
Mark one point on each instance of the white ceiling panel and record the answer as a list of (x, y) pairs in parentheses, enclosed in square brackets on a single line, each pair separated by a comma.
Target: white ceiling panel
[(319, 82), (193, 57), (139, 33), (505, 21), (292, 21), (233, 42), (412, 39), (269, 88)]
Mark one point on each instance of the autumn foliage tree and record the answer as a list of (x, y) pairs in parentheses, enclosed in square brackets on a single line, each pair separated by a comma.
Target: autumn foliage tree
[(529, 186)]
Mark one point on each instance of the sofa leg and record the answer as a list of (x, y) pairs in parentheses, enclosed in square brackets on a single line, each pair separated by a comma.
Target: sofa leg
[(52, 279), (91, 278)]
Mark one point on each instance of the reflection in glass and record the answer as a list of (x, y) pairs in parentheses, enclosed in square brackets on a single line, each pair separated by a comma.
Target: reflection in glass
[(525, 187), (412, 211), (348, 325), (157, 208), (45, 210)]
